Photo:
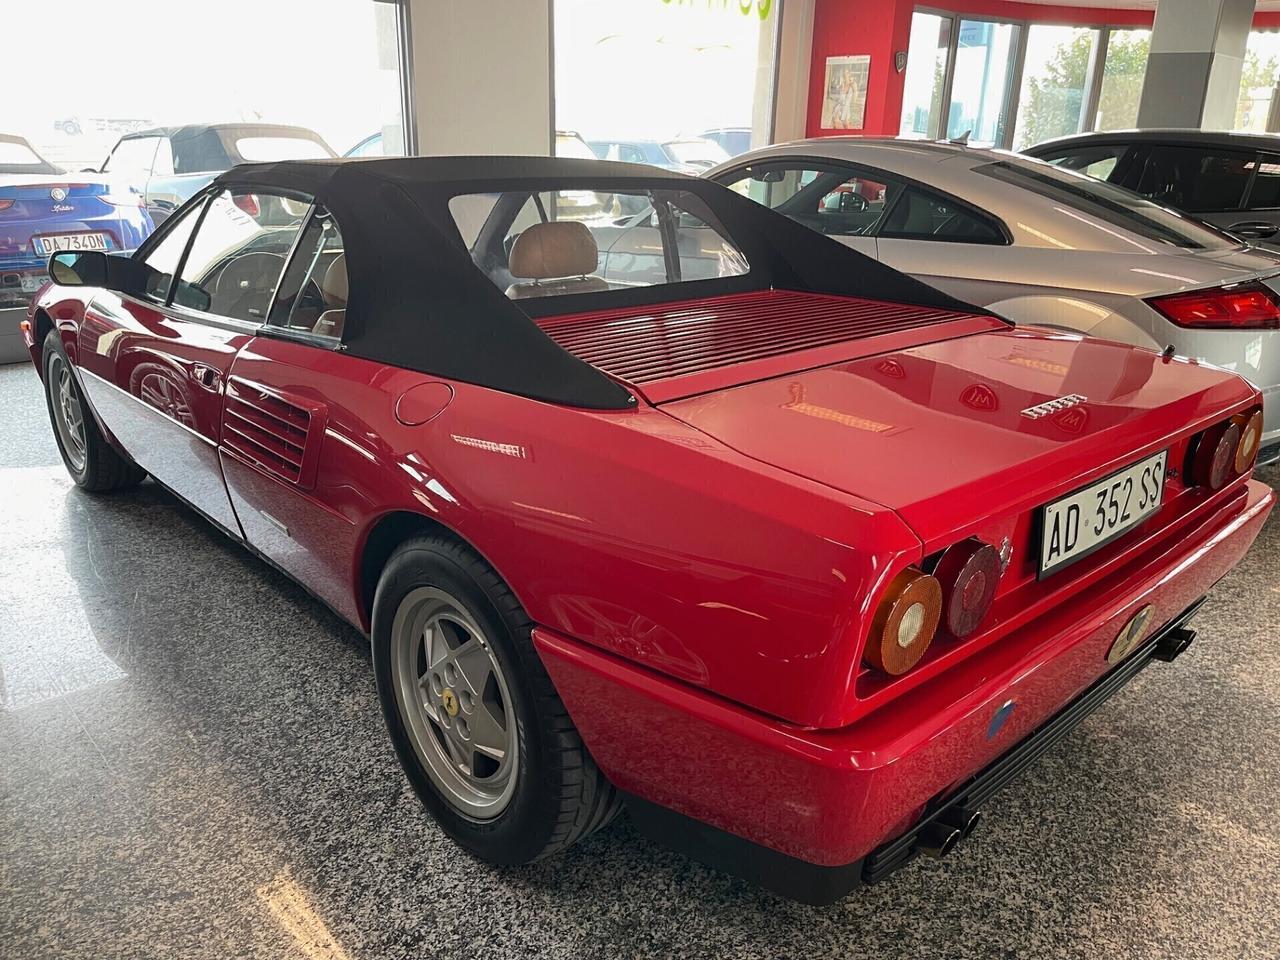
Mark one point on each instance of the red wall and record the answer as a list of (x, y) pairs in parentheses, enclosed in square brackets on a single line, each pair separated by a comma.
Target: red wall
[(880, 28)]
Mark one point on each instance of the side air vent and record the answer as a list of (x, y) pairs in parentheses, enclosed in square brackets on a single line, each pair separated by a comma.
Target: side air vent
[(269, 431)]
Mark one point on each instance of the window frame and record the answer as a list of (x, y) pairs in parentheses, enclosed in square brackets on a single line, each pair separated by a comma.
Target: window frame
[(877, 175), (1092, 92), (204, 197), (278, 331)]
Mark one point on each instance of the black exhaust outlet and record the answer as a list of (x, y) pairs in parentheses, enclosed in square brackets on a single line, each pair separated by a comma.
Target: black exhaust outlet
[(962, 819), (937, 839), (1172, 644)]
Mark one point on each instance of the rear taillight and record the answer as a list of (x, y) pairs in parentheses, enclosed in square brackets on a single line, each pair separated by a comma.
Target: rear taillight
[(968, 573), (1250, 425), (1215, 455), (1244, 306), (6, 204), (905, 622), (248, 202)]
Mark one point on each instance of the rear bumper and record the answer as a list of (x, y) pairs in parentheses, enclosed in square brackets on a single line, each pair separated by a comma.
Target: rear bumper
[(829, 798)]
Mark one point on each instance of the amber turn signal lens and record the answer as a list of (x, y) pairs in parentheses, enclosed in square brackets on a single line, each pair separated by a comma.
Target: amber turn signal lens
[(905, 622), (1250, 439), (968, 573), (1215, 456)]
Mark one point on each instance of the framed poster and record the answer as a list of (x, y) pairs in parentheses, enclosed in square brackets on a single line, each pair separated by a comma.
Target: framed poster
[(844, 101)]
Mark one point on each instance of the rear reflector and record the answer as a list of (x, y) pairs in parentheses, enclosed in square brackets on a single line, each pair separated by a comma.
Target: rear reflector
[(905, 622), (1250, 439), (969, 573), (1248, 306), (1215, 456)]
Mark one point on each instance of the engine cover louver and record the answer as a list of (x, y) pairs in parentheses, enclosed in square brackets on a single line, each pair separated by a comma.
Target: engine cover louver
[(644, 345)]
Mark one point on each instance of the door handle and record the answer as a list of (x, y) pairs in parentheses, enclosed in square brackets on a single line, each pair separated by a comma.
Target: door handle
[(1254, 229), (206, 376)]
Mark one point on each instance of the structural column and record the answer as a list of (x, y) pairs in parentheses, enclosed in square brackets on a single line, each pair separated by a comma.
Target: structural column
[(482, 76), (1193, 73)]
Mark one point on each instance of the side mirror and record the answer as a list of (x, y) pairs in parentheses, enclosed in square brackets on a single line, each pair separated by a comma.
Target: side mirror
[(79, 268)]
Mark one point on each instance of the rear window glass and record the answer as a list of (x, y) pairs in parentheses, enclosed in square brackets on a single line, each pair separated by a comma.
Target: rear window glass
[(1189, 178), (564, 242), (258, 149), (1107, 203)]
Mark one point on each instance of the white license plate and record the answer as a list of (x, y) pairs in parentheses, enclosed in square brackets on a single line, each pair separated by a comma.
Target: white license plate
[(70, 241), (31, 282), (1080, 523)]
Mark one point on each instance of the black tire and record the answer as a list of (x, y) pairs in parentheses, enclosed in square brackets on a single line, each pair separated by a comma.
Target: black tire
[(560, 796), (102, 467)]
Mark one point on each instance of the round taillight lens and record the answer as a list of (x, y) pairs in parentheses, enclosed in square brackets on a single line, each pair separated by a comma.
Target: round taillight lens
[(905, 622), (1215, 456), (968, 573), (1250, 439)]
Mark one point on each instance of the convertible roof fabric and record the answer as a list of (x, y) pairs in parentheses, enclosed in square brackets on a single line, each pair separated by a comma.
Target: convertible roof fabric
[(419, 301)]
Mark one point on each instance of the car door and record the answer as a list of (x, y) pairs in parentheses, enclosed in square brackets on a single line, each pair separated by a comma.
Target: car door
[(156, 364), (841, 200), (132, 161), (294, 449)]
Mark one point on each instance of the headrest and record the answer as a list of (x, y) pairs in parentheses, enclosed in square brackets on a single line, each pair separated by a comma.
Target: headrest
[(334, 286), (548, 251)]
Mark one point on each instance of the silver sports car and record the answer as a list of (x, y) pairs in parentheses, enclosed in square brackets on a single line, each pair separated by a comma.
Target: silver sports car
[(1036, 244)]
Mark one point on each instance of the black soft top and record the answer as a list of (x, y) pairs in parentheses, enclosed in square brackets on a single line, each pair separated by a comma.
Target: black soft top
[(418, 301)]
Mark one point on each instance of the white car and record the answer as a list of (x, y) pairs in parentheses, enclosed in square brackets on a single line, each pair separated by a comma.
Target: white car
[(1035, 244)]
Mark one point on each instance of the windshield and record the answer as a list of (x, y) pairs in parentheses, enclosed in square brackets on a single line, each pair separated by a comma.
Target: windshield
[(704, 153), (1111, 204)]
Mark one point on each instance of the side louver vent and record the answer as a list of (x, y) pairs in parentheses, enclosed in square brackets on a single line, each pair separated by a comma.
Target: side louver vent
[(267, 430)]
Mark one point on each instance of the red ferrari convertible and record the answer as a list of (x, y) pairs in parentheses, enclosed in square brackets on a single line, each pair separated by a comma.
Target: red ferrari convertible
[(689, 509)]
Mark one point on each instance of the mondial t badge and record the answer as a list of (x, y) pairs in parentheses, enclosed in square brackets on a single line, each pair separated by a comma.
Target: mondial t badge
[(57, 194), (1053, 406)]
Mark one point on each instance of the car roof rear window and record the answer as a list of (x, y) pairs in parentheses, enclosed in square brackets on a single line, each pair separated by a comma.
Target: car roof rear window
[(258, 149), (1108, 203)]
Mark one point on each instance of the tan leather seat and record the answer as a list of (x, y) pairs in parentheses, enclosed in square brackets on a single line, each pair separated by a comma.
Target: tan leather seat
[(334, 290), (554, 258)]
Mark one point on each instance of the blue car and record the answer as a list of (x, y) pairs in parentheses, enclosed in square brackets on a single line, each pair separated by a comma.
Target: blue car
[(44, 209)]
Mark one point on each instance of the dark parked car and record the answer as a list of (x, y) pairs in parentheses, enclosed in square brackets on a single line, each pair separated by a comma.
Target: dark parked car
[(172, 164), (1231, 180)]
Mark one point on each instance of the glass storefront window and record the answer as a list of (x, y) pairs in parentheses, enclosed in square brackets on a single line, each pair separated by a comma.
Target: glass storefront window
[(1258, 81), (1122, 76), (925, 76), (1051, 102), (647, 79), (137, 141), (982, 78)]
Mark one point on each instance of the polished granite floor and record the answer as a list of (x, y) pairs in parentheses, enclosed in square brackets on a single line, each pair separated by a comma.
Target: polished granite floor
[(192, 765)]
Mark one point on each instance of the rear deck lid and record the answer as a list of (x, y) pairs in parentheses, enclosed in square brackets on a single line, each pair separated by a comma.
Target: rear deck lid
[(947, 432)]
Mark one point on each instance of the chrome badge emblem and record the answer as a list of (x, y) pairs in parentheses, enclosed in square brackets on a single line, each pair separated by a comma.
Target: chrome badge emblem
[(58, 194), (1053, 406)]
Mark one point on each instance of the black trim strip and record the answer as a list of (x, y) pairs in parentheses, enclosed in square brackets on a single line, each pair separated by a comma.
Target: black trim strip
[(979, 789)]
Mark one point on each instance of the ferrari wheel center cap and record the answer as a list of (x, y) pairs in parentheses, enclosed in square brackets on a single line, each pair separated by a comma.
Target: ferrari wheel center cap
[(450, 701)]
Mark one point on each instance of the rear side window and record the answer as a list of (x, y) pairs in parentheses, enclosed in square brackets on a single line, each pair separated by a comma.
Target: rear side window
[(1195, 179), (313, 292), (1098, 162), (921, 215), (1104, 202), (1265, 194), (835, 201)]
